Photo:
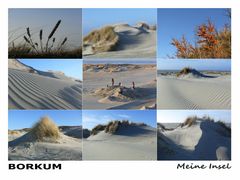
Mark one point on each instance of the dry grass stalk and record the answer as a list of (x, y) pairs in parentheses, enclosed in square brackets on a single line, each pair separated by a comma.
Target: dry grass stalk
[(45, 128)]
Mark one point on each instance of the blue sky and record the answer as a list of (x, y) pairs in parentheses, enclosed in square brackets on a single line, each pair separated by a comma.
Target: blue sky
[(70, 67), (18, 119), (97, 18), (36, 19), (176, 116), (91, 118), (209, 64), (173, 23)]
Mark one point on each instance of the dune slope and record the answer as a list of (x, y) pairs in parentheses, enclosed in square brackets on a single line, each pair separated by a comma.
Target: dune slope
[(193, 93), (33, 91), (133, 41), (67, 148), (128, 143), (25, 146), (205, 140)]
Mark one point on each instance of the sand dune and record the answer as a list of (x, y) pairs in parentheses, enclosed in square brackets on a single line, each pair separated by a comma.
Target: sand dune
[(132, 142), (31, 90), (26, 145), (72, 131), (189, 92), (99, 93), (204, 140), (133, 41), (66, 149)]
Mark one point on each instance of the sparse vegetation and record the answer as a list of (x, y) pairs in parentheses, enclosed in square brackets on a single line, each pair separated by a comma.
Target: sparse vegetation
[(191, 120), (113, 126), (184, 71), (207, 118), (32, 71), (102, 40), (37, 48), (13, 132), (45, 128), (143, 25), (210, 43), (146, 26), (26, 129), (120, 93), (97, 129)]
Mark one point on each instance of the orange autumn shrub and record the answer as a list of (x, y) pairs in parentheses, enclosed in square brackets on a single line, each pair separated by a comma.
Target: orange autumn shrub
[(210, 43)]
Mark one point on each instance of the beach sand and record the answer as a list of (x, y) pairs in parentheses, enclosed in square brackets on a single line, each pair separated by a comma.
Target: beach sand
[(129, 143), (194, 93), (96, 94), (29, 88), (204, 140), (68, 147), (134, 42)]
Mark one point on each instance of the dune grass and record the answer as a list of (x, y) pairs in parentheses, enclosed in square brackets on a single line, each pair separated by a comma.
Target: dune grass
[(105, 34), (113, 126), (13, 132), (184, 71), (191, 120), (45, 128), (97, 129), (23, 51), (36, 47), (102, 40)]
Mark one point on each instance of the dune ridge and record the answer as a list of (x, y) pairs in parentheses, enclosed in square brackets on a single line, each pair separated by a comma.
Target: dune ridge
[(121, 41), (115, 126), (33, 91), (188, 72), (194, 93), (45, 141), (121, 140), (195, 139)]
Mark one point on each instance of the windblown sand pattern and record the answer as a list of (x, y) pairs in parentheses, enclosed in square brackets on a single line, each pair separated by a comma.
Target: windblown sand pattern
[(194, 93), (33, 91)]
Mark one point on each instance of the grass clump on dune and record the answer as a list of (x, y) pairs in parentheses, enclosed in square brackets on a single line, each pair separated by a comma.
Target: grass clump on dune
[(13, 132), (45, 129), (189, 121), (184, 71), (113, 126), (102, 40), (97, 129)]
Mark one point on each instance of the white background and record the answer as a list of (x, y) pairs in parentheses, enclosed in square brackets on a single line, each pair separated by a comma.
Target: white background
[(120, 169)]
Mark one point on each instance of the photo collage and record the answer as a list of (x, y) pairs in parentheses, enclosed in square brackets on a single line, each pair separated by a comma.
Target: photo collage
[(119, 84)]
